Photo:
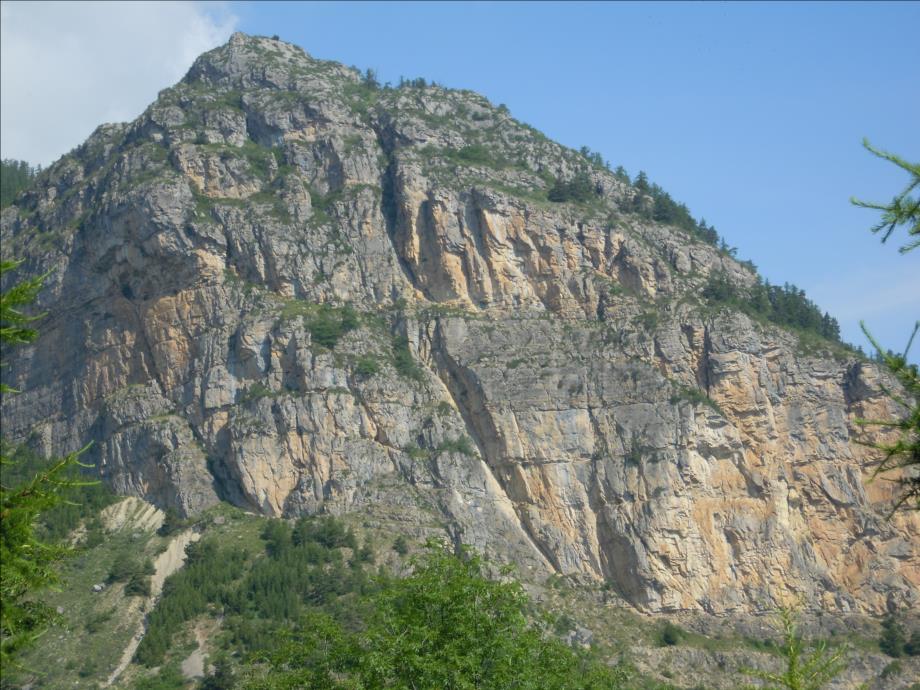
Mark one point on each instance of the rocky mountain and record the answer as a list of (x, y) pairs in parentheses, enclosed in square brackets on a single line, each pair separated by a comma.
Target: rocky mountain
[(286, 287)]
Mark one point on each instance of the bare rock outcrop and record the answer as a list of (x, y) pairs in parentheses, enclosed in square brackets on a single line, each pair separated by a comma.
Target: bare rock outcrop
[(286, 288)]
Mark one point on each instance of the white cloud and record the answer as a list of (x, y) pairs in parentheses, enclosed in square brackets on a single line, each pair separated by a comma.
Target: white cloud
[(886, 297), (67, 67), (876, 292)]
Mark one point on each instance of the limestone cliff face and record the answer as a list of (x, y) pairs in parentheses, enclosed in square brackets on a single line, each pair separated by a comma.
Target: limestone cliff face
[(514, 371)]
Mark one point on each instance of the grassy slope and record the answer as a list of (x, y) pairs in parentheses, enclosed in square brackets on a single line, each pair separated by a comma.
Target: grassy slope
[(95, 628)]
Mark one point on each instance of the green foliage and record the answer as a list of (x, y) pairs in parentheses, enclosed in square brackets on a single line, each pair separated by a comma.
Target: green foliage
[(785, 306), (326, 327), (653, 203), (670, 635), (166, 678), (807, 667), (416, 453), (326, 323), (29, 561), (417, 83), (400, 545), (403, 360), (138, 586), (348, 318), (648, 320), (903, 208), (307, 656), (209, 570), (367, 366), (123, 567), (696, 397), (666, 210), (902, 457), (221, 678), (172, 523), (594, 158), (447, 625), (912, 646), (370, 79), (14, 329), (302, 570), (255, 391), (563, 624), (444, 626), (325, 531), (892, 640), (362, 96), (305, 571), (89, 668), (261, 160), (634, 456), (79, 498), (98, 620), (278, 207), (473, 154), (323, 205), (127, 568), (15, 177), (579, 189), (365, 554), (460, 445), (892, 669)]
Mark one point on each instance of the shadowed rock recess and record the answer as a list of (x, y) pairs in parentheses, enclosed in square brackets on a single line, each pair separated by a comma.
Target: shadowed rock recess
[(283, 287)]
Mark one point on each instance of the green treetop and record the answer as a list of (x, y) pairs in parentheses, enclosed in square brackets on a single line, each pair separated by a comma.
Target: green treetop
[(903, 209)]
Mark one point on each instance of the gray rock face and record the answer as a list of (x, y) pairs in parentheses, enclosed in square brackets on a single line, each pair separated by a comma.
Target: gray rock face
[(511, 371)]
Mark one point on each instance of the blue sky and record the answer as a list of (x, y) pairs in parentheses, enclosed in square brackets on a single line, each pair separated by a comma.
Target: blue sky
[(751, 114)]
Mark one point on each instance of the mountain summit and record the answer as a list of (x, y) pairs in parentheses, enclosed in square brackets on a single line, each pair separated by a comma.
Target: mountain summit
[(290, 288)]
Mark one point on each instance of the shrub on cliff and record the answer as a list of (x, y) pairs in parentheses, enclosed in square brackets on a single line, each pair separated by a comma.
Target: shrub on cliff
[(579, 189), (327, 324), (892, 639)]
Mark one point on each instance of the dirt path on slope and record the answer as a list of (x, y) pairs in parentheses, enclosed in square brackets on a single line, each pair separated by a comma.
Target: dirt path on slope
[(165, 564), (194, 665)]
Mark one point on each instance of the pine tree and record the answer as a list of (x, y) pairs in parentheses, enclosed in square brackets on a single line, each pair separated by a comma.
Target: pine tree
[(28, 561), (370, 79), (579, 189), (892, 640), (912, 646), (807, 668), (902, 455), (641, 182), (221, 677), (15, 176), (445, 625)]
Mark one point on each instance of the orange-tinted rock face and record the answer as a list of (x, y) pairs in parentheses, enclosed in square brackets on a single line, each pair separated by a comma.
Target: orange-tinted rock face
[(540, 380)]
